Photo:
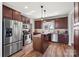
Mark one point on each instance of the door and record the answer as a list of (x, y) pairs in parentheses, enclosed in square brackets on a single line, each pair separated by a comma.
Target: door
[(15, 31), (76, 41), (20, 30), (76, 28), (7, 31)]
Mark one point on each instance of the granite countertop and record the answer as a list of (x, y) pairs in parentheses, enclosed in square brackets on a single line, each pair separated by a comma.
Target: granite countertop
[(37, 35)]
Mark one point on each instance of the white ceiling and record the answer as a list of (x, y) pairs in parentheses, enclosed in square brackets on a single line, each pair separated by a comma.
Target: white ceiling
[(34, 9)]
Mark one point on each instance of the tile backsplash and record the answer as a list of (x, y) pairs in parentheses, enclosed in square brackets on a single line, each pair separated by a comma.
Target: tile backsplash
[(61, 31)]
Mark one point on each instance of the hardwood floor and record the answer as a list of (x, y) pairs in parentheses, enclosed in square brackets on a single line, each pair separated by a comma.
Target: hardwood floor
[(53, 50), (27, 52), (33, 54), (30, 54), (59, 50), (18, 54)]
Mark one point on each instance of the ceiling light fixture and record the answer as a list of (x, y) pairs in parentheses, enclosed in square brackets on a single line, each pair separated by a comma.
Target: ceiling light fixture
[(26, 7), (43, 13)]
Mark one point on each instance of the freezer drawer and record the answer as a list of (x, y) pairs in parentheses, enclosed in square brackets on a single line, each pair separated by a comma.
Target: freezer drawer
[(14, 47), (6, 49), (11, 49), (20, 44), (17, 44)]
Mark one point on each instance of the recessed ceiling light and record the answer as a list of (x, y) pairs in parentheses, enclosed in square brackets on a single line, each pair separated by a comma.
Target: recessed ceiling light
[(26, 7)]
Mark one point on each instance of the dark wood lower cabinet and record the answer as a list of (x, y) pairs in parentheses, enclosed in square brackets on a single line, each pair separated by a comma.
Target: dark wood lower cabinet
[(40, 44), (46, 38), (37, 43), (63, 38)]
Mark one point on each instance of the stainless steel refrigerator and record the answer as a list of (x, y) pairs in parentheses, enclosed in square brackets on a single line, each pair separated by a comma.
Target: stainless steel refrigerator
[(11, 36)]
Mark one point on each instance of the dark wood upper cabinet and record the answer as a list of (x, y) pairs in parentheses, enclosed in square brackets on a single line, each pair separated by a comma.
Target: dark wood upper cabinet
[(76, 12), (7, 12), (38, 24), (23, 19), (11, 13), (61, 23), (16, 15), (28, 20)]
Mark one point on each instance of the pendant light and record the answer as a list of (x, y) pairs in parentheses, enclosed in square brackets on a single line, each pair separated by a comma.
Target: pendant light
[(41, 12), (44, 13)]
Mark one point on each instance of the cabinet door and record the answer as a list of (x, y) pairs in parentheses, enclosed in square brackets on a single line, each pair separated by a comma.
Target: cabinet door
[(37, 43), (16, 15), (61, 23), (76, 12), (76, 28), (38, 24), (28, 20), (76, 42), (7, 12), (23, 19), (44, 43), (63, 38)]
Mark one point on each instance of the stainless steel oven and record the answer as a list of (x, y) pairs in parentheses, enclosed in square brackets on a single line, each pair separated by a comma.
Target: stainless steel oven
[(26, 38)]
